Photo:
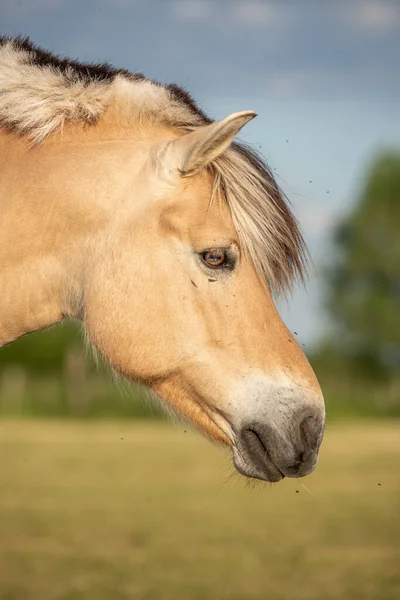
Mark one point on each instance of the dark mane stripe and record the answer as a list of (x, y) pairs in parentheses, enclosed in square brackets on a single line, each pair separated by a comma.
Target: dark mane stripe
[(83, 71), (74, 70)]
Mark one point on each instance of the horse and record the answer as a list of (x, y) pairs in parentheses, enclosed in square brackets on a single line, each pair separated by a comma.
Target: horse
[(125, 207)]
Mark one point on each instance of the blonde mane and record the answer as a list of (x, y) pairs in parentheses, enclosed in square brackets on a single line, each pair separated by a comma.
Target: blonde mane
[(40, 94)]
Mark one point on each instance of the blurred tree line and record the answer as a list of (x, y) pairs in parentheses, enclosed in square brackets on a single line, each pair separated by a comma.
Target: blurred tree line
[(52, 374), (358, 365), (360, 361)]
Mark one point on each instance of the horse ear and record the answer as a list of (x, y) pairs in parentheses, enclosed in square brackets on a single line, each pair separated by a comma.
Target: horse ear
[(195, 150)]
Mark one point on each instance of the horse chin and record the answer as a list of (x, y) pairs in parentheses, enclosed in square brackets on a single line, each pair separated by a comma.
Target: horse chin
[(212, 426), (267, 471), (195, 410)]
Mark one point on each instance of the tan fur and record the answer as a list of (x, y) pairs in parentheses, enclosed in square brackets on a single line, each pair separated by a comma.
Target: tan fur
[(38, 101), (95, 226)]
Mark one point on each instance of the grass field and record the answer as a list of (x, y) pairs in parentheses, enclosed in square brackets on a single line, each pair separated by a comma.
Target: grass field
[(124, 510)]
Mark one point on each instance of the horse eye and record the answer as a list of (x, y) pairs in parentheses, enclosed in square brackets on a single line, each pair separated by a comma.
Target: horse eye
[(215, 258)]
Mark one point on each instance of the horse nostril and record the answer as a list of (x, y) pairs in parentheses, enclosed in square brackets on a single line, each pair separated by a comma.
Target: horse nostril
[(308, 429)]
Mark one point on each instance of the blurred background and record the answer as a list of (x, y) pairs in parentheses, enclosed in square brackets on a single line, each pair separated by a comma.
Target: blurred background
[(100, 496)]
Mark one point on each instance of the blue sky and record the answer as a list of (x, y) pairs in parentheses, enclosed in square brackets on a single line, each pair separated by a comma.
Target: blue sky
[(323, 76)]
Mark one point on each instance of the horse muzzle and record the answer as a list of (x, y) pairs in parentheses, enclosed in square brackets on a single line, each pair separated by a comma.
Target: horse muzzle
[(280, 437)]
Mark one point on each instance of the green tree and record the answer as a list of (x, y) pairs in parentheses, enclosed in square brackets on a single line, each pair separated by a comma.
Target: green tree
[(364, 285)]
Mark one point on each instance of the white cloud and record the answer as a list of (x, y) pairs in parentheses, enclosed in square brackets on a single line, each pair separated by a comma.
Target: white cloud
[(251, 13), (373, 15), (254, 12), (193, 10)]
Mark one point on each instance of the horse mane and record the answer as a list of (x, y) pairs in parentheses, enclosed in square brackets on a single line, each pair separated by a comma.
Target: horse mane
[(40, 93)]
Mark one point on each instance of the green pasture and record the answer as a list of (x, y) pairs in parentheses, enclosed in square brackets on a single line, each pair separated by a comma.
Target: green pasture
[(101, 510)]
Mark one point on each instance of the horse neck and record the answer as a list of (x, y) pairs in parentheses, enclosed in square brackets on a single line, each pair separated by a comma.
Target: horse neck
[(32, 270), (54, 200)]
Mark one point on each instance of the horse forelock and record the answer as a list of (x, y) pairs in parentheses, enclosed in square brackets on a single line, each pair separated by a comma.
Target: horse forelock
[(267, 228), (41, 93)]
